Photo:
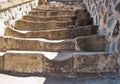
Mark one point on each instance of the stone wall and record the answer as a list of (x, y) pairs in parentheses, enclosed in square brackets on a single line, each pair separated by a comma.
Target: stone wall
[(106, 14), (9, 15)]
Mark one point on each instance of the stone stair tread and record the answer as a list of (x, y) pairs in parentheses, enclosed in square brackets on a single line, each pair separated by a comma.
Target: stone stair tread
[(85, 43), (55, 56), (56, 34), (35, 26), (78, 62)]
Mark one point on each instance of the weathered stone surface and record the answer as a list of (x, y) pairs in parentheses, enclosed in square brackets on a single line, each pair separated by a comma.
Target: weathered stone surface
[(95, 63), (92, 43), (42, 1), (39, 45), (2, 43), (13, 33), (35, 26), (85, 43), (84, 21), (55, 34), (51, 13), (51, 66), (43, 19), (22, 62), (1, 63)]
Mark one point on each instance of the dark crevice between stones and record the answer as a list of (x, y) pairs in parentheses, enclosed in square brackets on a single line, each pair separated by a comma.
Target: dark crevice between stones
[(116, 30)]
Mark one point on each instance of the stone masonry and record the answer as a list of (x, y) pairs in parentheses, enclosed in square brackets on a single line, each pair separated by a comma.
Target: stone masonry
[(56, 38)]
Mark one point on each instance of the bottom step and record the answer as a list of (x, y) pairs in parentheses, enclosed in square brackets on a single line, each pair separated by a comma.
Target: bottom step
[(60, 63)]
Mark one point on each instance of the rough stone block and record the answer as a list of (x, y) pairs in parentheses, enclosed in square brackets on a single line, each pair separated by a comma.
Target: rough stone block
[(35, 26), (92, 43), (95, 63), (21, 62), (39, 45), (51, 66)]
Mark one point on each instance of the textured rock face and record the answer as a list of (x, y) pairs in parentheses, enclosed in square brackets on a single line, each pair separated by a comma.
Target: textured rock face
[(55, 34), (86, 43), (106, 14), (77, 64), (95, 63), (29, 63)]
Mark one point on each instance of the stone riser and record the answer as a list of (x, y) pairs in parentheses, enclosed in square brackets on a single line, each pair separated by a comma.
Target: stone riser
[(54, 34), (82, 15), (88, 43), (40, 19), (47, 13), (61, 7), (35, 26), (75, 64)]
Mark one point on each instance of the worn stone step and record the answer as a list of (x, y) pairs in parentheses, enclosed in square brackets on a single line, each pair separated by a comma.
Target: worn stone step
[(43, 19), (60, 6), (49, 25), (85, 43), (59, 63), (54, 34), (34, 26), (51, 13), (83, 14)]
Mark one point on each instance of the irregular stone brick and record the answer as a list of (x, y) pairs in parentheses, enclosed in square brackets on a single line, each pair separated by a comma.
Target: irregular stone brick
[(2, 43), (95, 63), (22, 62)]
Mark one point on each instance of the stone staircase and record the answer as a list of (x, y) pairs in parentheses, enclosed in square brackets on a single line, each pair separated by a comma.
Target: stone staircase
[(56, 38)]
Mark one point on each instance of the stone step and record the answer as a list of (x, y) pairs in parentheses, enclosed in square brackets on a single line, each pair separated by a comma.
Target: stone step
[(43, 19), (50, 25), (35, 26), (85, 43), (54, 34), (71, 10), (83, 14), (61, 6), (59, 63), (51, 13)]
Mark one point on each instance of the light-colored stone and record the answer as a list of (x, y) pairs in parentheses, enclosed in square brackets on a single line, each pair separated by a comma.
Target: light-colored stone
[(96, 63), (21, 62)]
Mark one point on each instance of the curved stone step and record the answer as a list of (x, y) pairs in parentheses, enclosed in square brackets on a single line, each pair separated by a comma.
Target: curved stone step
[(86, 43), (54, 34), (61, 63), (35, 26), (43, 19)]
